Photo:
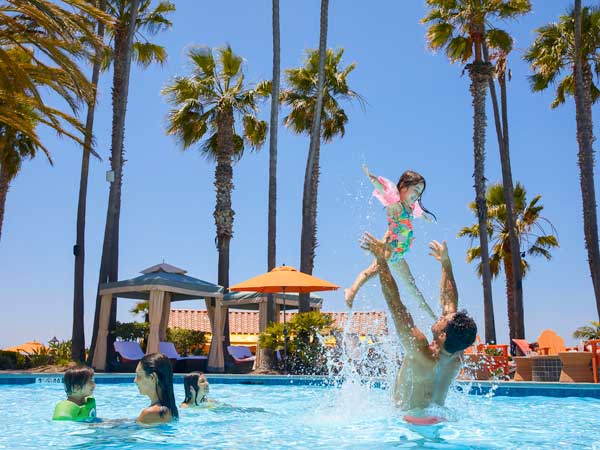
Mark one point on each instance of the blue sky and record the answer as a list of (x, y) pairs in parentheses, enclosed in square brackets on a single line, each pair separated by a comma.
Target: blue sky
[(418, 115)]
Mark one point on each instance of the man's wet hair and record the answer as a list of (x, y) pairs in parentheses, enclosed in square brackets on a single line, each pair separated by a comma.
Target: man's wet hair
[(460, 332), (77, 377)]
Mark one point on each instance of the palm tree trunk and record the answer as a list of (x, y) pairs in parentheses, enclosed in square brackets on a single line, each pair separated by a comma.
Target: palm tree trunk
[(123, 42), (78, 332), (307, 239), (507, 184), (585, 139), (510, 297), (224, 214), (272, 226), (4, 186), (480, 73)]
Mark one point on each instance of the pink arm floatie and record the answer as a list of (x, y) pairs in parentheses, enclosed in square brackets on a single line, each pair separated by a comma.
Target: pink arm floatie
[(390, 194)]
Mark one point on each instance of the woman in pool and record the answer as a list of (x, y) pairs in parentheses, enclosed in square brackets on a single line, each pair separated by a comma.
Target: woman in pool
[(154, 378), (195, 386), (79, 405)]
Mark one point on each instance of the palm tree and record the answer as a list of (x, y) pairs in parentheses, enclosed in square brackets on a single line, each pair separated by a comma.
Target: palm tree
[(308, 237), (301, 96), (530, 232), (569, 49), (78, 331), (463, 28), (52, 34), (132, 19), (274, 127), (206, 105), (588, 332), (501, 122)]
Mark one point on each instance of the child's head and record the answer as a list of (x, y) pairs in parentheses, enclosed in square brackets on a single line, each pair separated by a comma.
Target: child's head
[(195, 386), (79, 381), (411, 187)]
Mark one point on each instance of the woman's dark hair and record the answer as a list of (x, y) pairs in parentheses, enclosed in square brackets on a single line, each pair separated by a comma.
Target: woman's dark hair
[(461, 332), (160, 365), (412, 178), (76, 377), (190, 381)]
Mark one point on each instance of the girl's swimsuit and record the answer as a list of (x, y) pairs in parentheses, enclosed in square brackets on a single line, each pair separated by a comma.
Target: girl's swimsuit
[(400, 226), (67, 410)]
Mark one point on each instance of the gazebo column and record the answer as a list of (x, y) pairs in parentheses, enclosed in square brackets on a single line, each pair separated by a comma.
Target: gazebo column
[(156, 309), (263, 320), (216, 360), (164, 320), (99, 361)]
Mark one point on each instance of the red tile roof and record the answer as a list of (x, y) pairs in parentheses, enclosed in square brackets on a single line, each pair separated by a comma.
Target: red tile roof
[(246, 322)]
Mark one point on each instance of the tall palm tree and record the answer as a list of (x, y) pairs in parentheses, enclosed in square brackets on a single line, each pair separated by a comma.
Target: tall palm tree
[(530, 231), (501, 121), (274, 128), (569, 49), (132, 19), (301, 97), (52, 32), (78, 330), (308, 237), (206, 105), (463, 28)]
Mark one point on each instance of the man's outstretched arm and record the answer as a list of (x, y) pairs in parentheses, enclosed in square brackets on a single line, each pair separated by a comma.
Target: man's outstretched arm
[(448, 290), (410, 336)]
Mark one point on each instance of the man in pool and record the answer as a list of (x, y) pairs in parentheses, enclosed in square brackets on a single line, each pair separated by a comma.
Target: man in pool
[(428, 368)]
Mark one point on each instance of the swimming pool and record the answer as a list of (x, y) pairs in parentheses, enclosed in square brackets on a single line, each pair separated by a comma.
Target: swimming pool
[(298, 417)]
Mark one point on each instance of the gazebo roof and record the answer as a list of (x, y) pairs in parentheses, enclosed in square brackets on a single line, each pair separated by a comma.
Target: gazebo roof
[(164, 277), (250, 300)]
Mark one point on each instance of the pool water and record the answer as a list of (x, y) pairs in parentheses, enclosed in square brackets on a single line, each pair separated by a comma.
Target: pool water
[(297, 417)]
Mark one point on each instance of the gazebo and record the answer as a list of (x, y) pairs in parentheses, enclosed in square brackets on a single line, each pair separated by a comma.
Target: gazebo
[(160, 285)]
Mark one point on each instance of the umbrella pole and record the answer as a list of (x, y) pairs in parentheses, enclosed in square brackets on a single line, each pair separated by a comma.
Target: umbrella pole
[(284, 336)]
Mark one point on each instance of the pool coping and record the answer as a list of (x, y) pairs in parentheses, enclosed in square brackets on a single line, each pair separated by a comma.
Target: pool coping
[(475, 387)]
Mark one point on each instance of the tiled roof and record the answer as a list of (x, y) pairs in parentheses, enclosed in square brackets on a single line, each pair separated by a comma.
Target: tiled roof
[(246, 322)]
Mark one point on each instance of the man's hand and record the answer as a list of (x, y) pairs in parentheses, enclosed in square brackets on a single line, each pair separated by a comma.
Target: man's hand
[(439, 251), (380, 249)]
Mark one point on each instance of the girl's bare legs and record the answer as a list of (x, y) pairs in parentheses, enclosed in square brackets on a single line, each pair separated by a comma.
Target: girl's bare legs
[(401, 267), (361, 279)]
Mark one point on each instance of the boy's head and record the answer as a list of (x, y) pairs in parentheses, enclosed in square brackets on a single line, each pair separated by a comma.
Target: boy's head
[(79, 381), (461, 332)]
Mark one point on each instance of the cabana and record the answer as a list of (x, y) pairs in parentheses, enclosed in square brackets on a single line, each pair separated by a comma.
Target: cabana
[(160, 285)]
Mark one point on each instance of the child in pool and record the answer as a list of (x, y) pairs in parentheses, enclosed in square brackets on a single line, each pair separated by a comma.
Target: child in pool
[(79, 405), (196, 390), (403, 203)]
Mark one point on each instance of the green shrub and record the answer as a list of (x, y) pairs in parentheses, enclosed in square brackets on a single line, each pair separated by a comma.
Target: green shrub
[(13, 361), (186, 341), (41, 357), (306, 352), (132, 331)]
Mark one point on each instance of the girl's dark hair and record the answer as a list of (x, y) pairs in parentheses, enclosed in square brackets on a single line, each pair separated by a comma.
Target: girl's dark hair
[(76, 377), (412, 178), (190, 381), (160, 365)]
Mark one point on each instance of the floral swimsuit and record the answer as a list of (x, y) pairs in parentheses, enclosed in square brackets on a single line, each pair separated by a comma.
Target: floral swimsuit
[(400, 227)]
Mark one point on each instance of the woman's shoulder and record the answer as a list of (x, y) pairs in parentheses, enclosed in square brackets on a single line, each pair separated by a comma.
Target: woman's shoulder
[(155, 414)]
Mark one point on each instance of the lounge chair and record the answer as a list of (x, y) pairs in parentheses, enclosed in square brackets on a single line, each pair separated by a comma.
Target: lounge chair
[(183, 363), (240, 354), (128, 355), (128, 351)]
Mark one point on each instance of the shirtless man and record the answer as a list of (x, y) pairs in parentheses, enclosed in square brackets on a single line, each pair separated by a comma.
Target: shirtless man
[(429, 368)]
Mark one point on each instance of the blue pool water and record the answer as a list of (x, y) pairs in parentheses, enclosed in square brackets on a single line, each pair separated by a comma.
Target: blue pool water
[(298, 417)]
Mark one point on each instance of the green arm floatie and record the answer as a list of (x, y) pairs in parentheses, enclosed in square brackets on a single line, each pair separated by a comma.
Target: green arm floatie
[(67, 410)]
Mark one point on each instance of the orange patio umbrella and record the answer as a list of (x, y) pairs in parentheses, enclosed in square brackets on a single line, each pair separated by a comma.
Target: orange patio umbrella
[(284, 279), (28, 347)]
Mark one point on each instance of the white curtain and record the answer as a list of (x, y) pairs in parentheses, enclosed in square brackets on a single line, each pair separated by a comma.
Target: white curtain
[(216, 361), (99, 361), (156, 310)]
